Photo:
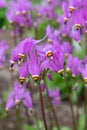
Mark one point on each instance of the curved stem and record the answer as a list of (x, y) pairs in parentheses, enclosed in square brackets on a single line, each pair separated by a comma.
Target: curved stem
[(42, 107), (70, 100)]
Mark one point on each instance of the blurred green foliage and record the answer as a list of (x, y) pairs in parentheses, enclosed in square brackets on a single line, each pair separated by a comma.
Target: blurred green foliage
[(2, 17), (27, 127)]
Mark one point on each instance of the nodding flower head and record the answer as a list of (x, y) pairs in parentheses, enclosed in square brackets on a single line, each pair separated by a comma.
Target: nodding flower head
[(17, 96), (23, 72)]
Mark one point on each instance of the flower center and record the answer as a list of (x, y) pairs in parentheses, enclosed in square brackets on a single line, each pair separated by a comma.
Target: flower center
[(35, 77), (21, 56), (22, 79), (71, 8), (49, 40), (49, 54), (77, 26), (65, 20), (85, 80)]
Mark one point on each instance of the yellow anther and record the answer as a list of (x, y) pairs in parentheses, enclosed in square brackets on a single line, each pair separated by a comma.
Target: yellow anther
[(71, 8), (49, 54), (65, 20), (60, 71), (77, 26), (73, 75), (35, 77), (24, 11), (21, 56), (49, 40), (11, 22), (17, 102), (67, 70), (22, 79), (18, 13), (85, 79), (6, 109), (49, 1)]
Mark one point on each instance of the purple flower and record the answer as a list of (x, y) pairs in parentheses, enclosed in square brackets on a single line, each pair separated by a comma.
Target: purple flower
[(67, 48), (83, 71), (18, 95), (54, 94), (3, 3), (3, 48), (73, 64), (27, 101), (23, 72)]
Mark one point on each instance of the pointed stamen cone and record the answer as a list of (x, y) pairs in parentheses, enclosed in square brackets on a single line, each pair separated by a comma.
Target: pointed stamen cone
[(49, 1), (7, 110), (22, 79), (77, 26), (17, 101), (20, 56), (11, 22), (35, 77), (31, 111), (65, 20), (85, 80), (60, 71), (73, 75), (71, 8), (49, 54), (24, 11), (18, 13), (12, 64), (49, 40), (66, 55), (67, 70)]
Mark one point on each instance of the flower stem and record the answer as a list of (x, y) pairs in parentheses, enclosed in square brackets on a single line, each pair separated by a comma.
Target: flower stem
[(85, 106), (69, 96), (52, 108), (18, 118), (42, 108)]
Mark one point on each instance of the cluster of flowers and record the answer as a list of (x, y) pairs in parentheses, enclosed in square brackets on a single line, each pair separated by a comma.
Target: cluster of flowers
[(3, 4), (3, 47), (19, 15), (38, 58), (74, 18)]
